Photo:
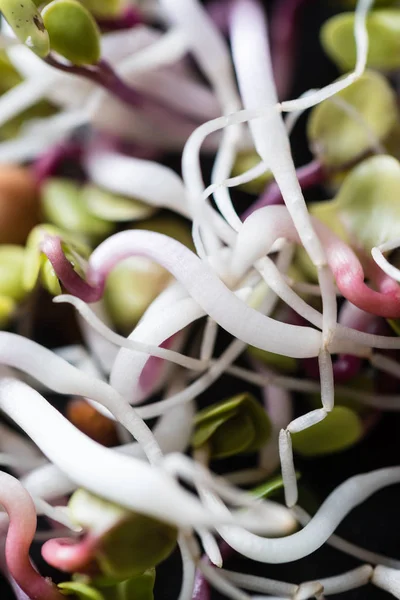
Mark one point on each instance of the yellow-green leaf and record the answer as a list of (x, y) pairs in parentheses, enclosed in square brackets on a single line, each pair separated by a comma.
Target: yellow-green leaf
[(27, 24), (73, 31), (344, 127), (383, 26), (341, 429)]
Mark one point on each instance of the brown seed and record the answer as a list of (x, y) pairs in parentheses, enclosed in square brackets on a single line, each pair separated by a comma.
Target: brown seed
[(91, 422), (19, 204)]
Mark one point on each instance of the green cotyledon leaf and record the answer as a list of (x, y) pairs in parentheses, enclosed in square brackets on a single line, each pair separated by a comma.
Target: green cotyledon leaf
[(73, 32), (340, 429), (7, 309), (365, 212), (235, 426), (81, 590), (383, 27), (138, 588), (344, 127), (27, 24), (12, 258), (269, 487), (128, 543), (110, 207), (137, 281), (246, 161), (368, 202), (63, 205)]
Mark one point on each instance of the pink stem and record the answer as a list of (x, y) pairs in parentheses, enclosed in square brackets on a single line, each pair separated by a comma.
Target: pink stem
[(70, 555), (284, 41), (128, 19), (270, 223), (21, 511), (219, 11), (51, 246), (308, 176)]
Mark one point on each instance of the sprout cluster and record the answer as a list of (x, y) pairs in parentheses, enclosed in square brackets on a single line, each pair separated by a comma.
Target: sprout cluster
[(176, 282)]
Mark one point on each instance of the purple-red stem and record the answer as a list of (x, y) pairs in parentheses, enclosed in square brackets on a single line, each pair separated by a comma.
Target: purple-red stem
[(128, 19), (201, 589), (103, 75), (309, 175), (51, 246), (284, 41), (47, 164)]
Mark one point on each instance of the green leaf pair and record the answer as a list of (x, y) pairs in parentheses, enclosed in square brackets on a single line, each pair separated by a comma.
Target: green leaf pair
[(63, 205), (236, 426), (128, 543), (383, 27), (65, 26)]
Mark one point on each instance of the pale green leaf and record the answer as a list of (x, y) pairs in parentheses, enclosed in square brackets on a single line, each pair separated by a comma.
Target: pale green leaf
[(341, 429)]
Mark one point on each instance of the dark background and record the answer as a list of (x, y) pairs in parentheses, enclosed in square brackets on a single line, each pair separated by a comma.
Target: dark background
[(374, 525)]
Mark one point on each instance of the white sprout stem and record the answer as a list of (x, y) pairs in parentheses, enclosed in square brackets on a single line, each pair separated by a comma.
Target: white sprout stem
[(387, 579), (347, 547), (221, 584), (172, 432), (213, 58), (276, 281), (183, 95), (197, 387), (331, 585), (208, 340), (326, 378), (256, 83), (309, 589), (308, 420), (62, 377), (165, 50), (278, 405), (89, 315), (361, 38), (382, 262), (241, 179), (347, 581), (17, 448), (56, 513), (205, 287), (98, 345), (188, 570), (287, 468), (260, 584), (125, 480), (357, 116), (155, 327), (137, 178), (342, 500), (212, 55), (386, 364), (22, 96), (210, 547)]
